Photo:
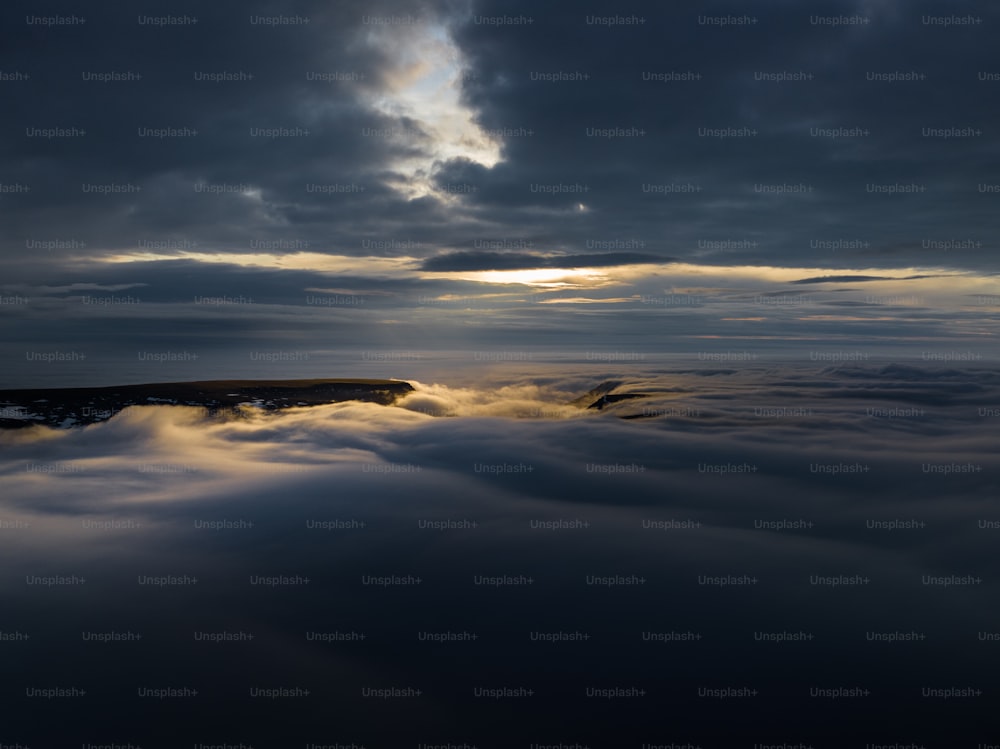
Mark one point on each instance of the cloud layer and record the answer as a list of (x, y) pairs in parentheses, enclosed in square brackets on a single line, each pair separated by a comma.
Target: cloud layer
[(807, 481)]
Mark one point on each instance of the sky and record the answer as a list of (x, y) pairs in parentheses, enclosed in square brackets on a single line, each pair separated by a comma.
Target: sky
[(353, 182)]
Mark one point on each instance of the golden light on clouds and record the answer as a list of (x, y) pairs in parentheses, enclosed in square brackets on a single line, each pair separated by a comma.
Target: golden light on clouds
[(539, 277), (369, 266), (589, 300), (893, 287)]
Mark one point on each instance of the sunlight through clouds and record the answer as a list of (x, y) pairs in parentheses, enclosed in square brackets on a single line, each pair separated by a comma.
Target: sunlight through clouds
[(424, 87)]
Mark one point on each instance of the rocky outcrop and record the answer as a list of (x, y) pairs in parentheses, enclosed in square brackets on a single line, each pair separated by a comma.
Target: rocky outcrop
[(67, 407)]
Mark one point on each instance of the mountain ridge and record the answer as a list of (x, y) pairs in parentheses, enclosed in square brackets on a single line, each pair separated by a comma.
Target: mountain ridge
[(65, 407)]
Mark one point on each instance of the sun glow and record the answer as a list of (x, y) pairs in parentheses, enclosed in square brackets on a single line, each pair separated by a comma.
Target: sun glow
[(539, 277)]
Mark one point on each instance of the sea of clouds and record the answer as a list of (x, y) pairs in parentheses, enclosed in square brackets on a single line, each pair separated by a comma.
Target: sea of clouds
[(747, 499)]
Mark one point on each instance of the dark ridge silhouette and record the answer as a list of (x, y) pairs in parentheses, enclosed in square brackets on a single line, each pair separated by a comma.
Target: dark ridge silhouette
[(594, 394), (604, 395), (66, 407), (607, 400)]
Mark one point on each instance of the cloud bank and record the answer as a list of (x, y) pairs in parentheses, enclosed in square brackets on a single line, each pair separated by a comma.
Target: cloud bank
[(855, 496)]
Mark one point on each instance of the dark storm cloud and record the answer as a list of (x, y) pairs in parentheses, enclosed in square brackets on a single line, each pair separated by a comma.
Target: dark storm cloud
[(735, 179), (560, 147), (212, 178), (473, 261), (184, 281)]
